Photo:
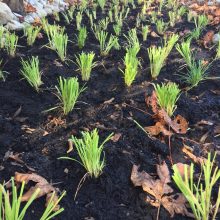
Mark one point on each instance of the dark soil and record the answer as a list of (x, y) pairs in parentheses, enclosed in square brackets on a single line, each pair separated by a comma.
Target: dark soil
[(112, 196)]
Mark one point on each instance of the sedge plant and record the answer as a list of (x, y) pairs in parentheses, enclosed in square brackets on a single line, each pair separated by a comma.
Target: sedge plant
[(81, 38), (145, 31), (199, 194), (185, 51), (167, 96), (31, 33), (2, 37), (31, 72), (68, 91), (90, 152), (11, 43), (107, 45), (218, 51), (85, 64), (161, 26), (197, 72), (11, 207), (131, 63)]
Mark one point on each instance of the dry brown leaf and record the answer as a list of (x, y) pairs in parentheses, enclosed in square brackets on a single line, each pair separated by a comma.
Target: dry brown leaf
[(163, 172), (41, 183), (159, 189), (196, 159), (29, 8), (154, 34), (115, 138), (157, 129), (207, 39), (70, 144)]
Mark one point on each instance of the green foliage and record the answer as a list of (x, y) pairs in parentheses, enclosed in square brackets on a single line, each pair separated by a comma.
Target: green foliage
[(78, 20), (31, 33), (68, 91), (131, 63), (102, 4), (145, 31), (167, 96), (196, 73), (82, 35), (12, 210), (218, 51), (158, 55), (200, 194), (85, 64), (185, 51), (90, 152), (161, 26), (11, 40), (2, 38), (106, 46), (30, 71)]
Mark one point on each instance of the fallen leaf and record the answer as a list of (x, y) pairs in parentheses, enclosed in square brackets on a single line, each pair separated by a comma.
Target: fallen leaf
[(41, 183), (159, 188), (70, 144), (115, 138), (154, 34), (207, 39), (200, 160), (181, 168), (29, 8)]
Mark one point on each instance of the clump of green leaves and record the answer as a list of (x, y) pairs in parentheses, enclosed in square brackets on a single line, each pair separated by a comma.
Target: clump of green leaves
[(31, 72), (2, 37), (197, 73), (107, 45), (85, 64), (161, 26), (90, 152), (218, 51), (185, 51), (11, 208), (81, 38), (167, 96), (11, 43), (200, 194), (68, 91), (200, 23), (145, 31), (131, 63), (158, 55), (31, 33)]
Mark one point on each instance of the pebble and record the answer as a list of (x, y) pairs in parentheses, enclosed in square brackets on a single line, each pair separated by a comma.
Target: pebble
[(216, 38)]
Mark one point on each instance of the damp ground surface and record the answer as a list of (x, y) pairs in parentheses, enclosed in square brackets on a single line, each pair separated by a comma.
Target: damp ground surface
[(41, 138)]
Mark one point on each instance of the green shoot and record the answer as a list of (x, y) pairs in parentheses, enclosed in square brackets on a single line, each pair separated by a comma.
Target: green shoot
[(218, 51), (2, 73), (106, 46), (31, 33), (82, 35), (30, 71), (161, 26), (185, 51), (117, 29), (90, 152), (12, 210), (78, 20), (131, 63), (196, 74), (167, 96), (145, 31), (198, 194), (2, 38), (85, 64), (11, 41), (68, 92), (102, 4)]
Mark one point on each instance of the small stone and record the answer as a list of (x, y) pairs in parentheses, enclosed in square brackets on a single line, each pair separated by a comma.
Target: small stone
[(14, 25), (216, 38), (6, 14)]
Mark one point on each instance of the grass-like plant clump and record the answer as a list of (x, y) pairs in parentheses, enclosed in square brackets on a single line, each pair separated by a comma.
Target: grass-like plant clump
[(68, 91), (90, 152), (11, 43), (199, 193), (81, 38), (31, 33), (167, 96), (131, 63), (31, 72), (85, 64)]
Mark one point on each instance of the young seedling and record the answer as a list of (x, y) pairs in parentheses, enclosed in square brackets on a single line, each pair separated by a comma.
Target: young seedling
[(200, 194), (200, 23), (102, 4), (68, 91), (30, 71), (11, 43), (131, 63), (2, 37), (31, 33), (103, 24), (85, 64), (161, 26), (78, 20), (196, 74), (167, 96), (117, 29), (145, 31), (132, 38), (90, 152), (185, 51), (106, 46), (2, 73), (218, 51), (81, 38)]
